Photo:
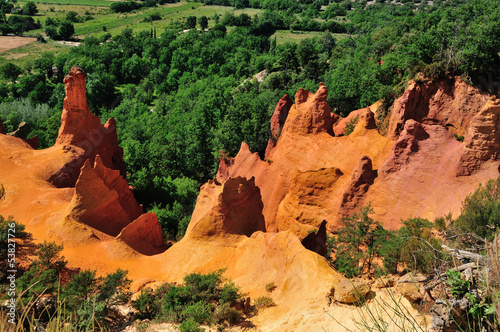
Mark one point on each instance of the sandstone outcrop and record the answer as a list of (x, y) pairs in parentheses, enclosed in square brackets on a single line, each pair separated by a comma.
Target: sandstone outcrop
[(234, 207), (482, 140), (103, 199), (279, 116), (363, 176), (82, 132), (144, 235), (311, 113), (450, 103), (349, 291)]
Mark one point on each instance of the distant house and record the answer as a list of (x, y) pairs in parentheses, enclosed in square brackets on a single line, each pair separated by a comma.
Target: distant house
[(17, 10)]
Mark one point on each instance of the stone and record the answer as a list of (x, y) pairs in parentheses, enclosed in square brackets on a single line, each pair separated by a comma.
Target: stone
[(103, 199), (482, 140), (279, 116), (233, 207), (144, 235), (411, 286), (363, 176), (310, 114), (348, 291), (316, 241)]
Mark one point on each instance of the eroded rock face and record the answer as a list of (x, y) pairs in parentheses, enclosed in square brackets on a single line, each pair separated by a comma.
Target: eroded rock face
[(84, 131), (310, 114), (234, 207), (144, 235), (406, 146), (482, 140), (103, 199), (361, 179), (450, 103), (279, 116)]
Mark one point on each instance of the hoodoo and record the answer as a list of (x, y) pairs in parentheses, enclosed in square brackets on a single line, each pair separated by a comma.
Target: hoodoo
[(82, 133)]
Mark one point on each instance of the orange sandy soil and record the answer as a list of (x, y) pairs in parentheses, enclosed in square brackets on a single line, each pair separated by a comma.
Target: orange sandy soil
[(8, 42)]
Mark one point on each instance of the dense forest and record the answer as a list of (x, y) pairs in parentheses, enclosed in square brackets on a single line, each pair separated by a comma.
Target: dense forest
[(180, 96)]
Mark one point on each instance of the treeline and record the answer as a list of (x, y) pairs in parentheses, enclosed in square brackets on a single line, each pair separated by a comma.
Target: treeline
[(181, 98), (128, 6)]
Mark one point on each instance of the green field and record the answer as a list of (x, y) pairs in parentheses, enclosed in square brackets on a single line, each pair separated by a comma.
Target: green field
[(287, 36), (101, 3)]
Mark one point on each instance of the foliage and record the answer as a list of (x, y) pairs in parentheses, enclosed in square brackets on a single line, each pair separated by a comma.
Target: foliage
[(202, 299), (270, 287), (16, 231), (350, 125), (480, 212), (358, 242), (264, 302)]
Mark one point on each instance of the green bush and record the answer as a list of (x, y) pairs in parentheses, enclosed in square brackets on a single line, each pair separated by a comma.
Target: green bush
[(358, 242), (480, 212), (264, 302)]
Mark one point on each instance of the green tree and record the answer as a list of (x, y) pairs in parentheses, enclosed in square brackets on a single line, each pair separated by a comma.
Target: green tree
[(10, 71), (30, 9), (66, 30), (358, 242), (203, 22), (191, 22)]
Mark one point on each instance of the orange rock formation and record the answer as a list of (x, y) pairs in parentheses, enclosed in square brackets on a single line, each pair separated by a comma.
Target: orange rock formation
[(251, 218), (83, 132)]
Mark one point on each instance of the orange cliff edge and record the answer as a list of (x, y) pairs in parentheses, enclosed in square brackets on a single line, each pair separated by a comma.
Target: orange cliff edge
[(251, 219)]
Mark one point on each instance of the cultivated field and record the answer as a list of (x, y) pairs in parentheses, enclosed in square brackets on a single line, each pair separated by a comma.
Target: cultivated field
[(8, 42)]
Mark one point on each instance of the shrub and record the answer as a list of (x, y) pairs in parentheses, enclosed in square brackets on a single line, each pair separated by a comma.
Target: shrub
[(480, 212), (264, 302), (270, 287), (201, 312), (350, 125), (224, 312)]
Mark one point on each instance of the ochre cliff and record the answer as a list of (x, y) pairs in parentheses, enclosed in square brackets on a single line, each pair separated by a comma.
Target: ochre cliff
[(313, 171)]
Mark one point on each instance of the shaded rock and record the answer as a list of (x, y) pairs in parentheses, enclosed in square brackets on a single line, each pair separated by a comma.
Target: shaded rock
[(362, 177), (103, 199), (234, 207), (411, 286), (450, 316), (310, 114), (144, 235), (348, 291), (279, 116), (22, 131), (83, 130), (317, 241), (482, 140), (384, 282)]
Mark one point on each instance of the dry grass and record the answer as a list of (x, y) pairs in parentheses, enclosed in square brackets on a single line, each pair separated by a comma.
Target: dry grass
[(493, 278)]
